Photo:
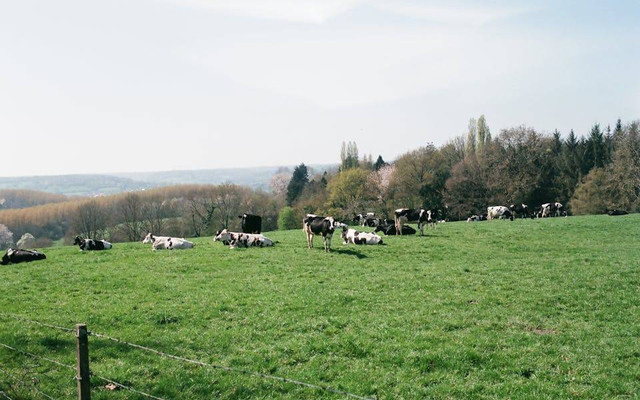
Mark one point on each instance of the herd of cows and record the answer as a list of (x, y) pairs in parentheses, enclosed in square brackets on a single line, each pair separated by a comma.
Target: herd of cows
[(315, 225)]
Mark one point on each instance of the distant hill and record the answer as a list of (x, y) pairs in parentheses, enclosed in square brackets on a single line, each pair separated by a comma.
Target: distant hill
[(256, 177), (23, 198), (95, 185), (74, 185)]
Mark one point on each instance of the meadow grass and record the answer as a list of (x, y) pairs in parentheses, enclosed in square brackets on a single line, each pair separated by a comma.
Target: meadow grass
[(524, 309)]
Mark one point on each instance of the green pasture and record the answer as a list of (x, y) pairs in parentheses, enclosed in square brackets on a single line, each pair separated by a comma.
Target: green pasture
[(526, 309)]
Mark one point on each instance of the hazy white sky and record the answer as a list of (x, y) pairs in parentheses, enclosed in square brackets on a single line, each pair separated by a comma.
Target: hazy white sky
[(142, 85)]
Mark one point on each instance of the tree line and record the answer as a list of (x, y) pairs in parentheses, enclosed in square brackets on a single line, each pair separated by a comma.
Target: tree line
[(588, 174)]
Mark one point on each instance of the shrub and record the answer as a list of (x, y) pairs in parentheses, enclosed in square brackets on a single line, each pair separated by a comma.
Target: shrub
[(287, 219)]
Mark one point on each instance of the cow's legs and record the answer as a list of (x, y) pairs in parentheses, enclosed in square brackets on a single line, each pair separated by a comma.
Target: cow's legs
[(421, 228), (399, 226)]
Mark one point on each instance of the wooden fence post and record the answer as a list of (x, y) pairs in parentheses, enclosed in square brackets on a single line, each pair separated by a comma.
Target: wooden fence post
[(82, 355)]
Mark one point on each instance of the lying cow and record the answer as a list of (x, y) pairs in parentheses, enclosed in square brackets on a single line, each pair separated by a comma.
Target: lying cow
[(317, 225), (499, 212), (169, 243), (15, 256), (421, 216), (616, 212), (235, 239), (355, 237), (477, 218), (92, 244), (390, 229), (251, 223)]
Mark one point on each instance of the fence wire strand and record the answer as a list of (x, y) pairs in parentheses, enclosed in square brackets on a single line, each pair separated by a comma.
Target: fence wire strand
[(231, 369), (6, 396), (18, 317), (38, 357), (174, 357), (32, 384)]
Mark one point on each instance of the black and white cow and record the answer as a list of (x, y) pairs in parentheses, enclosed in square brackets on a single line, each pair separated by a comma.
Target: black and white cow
[(318, 225), (251, 223), (15, 256), (236, 239), (421, 216), (356, 237), (498, 212), (390, 229), (521, 210), (554, 209), (92, 244), (616, 212), (477, 218), (369, 219)]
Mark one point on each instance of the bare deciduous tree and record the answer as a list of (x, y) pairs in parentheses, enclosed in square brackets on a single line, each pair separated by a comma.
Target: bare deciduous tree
[(90, 220)]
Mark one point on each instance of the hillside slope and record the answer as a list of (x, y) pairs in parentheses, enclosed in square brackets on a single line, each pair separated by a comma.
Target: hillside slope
[(523, 309)]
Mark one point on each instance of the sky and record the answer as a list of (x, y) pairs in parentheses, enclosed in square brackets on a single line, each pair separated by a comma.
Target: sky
[(152, 85)]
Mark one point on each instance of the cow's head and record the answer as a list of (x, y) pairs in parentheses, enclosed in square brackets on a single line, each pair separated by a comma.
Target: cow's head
[(77, 240), (149, 238), (5, 259), (223, 236)]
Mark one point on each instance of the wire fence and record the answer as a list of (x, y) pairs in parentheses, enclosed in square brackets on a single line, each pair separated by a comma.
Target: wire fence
[(32, 384), (174, 357)]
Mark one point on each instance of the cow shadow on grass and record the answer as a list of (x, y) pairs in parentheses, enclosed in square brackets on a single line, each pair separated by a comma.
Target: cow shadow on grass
[(349, 252)]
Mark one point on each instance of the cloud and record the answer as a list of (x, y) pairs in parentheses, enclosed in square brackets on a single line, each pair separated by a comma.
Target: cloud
[(309, 11), (320, 11), (451, 14)]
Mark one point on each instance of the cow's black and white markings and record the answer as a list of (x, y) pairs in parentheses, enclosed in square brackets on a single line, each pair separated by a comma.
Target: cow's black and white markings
[(421, 216), (616, 212), (554, 209), (355, 237), (237, 239), (251, 223), (477, 218), (520, 210), (498, 212), (171, 243), (317, 225), (389, 229), (15, 256), (91, 244)]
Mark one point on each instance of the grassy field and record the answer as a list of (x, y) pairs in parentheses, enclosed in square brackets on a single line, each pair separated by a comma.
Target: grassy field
[(525, 309)]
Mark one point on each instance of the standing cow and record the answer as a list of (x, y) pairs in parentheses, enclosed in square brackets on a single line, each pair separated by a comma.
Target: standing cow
[(554, 209), (421, 216), (251, 223), (317, 225), (521, 210), (500, 212)]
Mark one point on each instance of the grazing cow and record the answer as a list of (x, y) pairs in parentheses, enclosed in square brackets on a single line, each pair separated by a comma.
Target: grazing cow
[(552, 210), (91, 244), (477, 218), (616, 212), (421, 216), (235, 239), (390, 229), (169, 243), (251, 223), (500, 212), (15, 256), (369, 219), (521, 210), (317, 225), (355, 237)]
